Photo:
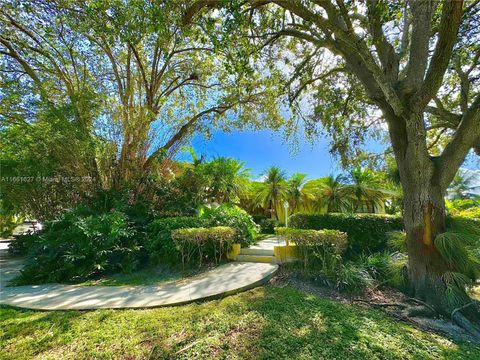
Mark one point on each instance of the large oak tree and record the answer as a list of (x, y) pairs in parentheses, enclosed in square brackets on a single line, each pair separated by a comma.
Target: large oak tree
[(414, 61)]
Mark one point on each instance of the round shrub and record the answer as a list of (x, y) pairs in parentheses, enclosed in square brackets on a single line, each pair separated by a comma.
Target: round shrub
[(235, 217)]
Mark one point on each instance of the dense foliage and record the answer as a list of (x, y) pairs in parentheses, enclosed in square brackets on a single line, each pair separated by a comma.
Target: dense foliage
[(467, 207), (267, 225), (366, 232), (77, 246), (235, 217), (199, 244), (159, 243)]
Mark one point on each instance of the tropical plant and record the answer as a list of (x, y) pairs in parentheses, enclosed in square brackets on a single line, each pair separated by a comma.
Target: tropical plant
[(273, 190), (331, 193), (365, 188), (227, 179), (77, 246), (295, 194)]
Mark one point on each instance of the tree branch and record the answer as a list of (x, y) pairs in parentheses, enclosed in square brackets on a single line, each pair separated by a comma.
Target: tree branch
[(466, 137), (447, 37)]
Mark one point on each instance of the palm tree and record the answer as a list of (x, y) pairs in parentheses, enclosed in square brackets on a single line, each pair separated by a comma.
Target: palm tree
[(295, 193), (228, 179), (273, 190), (366, 187), (330, 192)]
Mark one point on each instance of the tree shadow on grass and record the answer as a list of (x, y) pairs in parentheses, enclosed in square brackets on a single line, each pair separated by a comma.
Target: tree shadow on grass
[(297, 325), (38, 330)]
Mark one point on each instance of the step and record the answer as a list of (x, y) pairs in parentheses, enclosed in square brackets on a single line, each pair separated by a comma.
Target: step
[(256, 258), (256, 251)]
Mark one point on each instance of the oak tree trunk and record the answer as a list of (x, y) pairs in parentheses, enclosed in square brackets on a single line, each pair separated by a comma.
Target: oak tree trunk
[(424, 213), (424, 218)]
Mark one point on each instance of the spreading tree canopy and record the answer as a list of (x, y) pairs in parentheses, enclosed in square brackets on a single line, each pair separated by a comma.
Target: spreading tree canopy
[(411, 67)]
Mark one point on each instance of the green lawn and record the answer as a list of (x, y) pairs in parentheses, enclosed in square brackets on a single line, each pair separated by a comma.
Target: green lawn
[(267, 322)]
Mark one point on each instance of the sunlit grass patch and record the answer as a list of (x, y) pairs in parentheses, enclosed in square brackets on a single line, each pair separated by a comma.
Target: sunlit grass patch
[(266, 322)]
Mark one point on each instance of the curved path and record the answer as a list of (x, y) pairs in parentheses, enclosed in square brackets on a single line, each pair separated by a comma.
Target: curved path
[(224, 280)]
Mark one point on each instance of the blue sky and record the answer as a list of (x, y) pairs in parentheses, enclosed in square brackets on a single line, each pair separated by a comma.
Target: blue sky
[(261, 149)]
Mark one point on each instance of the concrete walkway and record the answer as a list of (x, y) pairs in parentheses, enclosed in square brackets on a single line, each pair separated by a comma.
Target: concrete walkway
[(224, 280), (9, 267), (269, 243)]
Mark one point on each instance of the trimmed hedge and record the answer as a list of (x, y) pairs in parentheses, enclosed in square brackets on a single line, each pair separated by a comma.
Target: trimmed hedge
[(159, 243), (322, 246), (366, 232), (161, 247), (199, 243)]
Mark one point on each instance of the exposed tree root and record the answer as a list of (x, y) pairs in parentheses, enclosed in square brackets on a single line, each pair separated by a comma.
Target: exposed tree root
[(411, 310)]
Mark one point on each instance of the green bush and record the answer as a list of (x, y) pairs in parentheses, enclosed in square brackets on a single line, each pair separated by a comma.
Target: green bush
[(366, 232), (159, 243), (235, 217), (318, 248), (8, 222), (456, 205), (23, 243), (76, 247), (197, 244), (472, 213), (469, 227), (267, 225), (161, 247)]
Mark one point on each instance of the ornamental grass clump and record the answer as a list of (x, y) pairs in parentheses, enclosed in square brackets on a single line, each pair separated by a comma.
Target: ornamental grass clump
[(197, 244), (321, 248)]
